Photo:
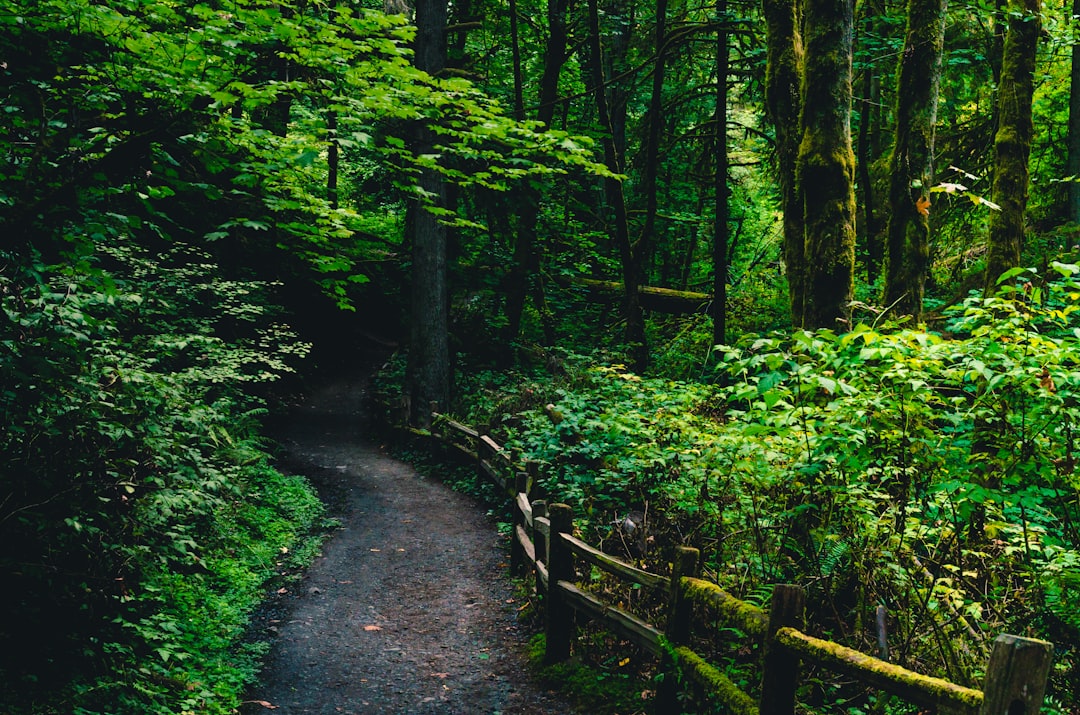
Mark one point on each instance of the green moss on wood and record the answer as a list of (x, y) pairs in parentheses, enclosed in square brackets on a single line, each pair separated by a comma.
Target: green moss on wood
[(742, 615), (913, 686), (738, 702)]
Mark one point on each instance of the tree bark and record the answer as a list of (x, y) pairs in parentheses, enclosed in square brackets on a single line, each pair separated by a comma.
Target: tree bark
[(826, 165), (655, 122), (720, 219), (526, 267), (332, 159), (1012, 143), (783, 102), (428, 369), (866, 152), (613, 190), (911, 166), (1073, 170)]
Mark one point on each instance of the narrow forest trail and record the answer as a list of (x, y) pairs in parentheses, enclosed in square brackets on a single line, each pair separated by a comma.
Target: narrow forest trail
[(409, 610)]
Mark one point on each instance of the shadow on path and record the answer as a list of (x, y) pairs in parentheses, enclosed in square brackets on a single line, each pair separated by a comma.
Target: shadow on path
[(409, 609)]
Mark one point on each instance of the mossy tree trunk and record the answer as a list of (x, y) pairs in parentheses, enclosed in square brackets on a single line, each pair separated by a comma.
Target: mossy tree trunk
[(1012, 143), (783, 102), (826, 165), (911, 166), (428, 369)]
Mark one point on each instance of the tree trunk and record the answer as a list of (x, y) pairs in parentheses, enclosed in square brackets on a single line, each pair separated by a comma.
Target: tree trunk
[(783, 102), (826, 165), (866, 153), (911, 167), (655, 122), (332, 159), (1073, 170), (515, 54), (526, 265), (613, 190), (1012, 143), (720, 220), (428, 369)]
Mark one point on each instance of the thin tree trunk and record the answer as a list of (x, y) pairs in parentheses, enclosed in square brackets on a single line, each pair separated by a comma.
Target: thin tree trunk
[(613, 190), (783, 102), (1073, 170), (826, 165), (720, 220), (911, 167), (526, 267), (515, 54), (428, 369), (1012, 143), (332, 159), (866, 154), (655, 119)]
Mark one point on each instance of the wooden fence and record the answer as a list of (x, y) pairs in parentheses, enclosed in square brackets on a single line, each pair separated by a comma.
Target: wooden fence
[(543, 543)]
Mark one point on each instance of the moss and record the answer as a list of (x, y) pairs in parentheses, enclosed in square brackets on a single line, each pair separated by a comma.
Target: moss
[(878, 672), (744, 616), (716, 683)]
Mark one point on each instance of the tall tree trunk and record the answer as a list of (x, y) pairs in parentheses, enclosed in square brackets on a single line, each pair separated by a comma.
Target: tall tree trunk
[(613, 191), (1012, 143), (526, 267), (911, 166), (720, 220), (1073, 170), (783, 103), (428, 369), (826, 165), (655, 122), (515, 54), (866, 153)]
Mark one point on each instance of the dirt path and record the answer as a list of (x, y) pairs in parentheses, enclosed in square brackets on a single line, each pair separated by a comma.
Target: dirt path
[(409, 610)]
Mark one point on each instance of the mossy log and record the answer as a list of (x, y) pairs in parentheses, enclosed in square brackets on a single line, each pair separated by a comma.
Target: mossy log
[(662, 300), (889, 677), (742, 615)]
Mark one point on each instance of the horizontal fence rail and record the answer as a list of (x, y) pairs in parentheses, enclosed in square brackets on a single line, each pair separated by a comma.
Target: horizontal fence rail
[(542, 542)]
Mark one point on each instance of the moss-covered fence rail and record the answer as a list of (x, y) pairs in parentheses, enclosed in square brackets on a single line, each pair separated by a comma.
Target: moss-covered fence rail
[(543, 543)]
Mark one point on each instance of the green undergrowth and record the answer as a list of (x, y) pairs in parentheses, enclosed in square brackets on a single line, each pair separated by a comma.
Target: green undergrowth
[(932, 473), (141, 520), (602, 681)]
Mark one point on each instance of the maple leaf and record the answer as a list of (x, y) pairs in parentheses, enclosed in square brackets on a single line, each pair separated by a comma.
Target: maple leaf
[(922, 205)]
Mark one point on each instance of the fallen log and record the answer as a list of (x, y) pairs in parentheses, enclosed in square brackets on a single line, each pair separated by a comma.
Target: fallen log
[(663, 300)]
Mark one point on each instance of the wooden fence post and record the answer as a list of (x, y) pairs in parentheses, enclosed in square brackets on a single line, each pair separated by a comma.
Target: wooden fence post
[(517, 551), (560, 614), (533, 470), (480, 475), (678, 627), (1016, 676), (540, 542), (780, 669)]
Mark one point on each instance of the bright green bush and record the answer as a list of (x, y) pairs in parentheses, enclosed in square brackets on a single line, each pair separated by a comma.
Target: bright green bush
[(933, 473)]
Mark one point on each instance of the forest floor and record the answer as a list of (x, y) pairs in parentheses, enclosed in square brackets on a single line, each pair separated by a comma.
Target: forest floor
[(410, 608)]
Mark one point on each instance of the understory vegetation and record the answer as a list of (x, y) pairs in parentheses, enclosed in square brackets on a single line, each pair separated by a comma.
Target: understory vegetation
[(930, 472)]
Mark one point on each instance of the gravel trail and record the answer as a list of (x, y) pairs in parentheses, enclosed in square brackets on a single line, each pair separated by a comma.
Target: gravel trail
[(409, 610)]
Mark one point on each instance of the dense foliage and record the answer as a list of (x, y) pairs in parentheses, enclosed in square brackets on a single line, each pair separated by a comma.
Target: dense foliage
[(163, 173), (933, 473)]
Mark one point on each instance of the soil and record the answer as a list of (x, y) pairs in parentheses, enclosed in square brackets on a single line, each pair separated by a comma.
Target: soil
[(410, 608)]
